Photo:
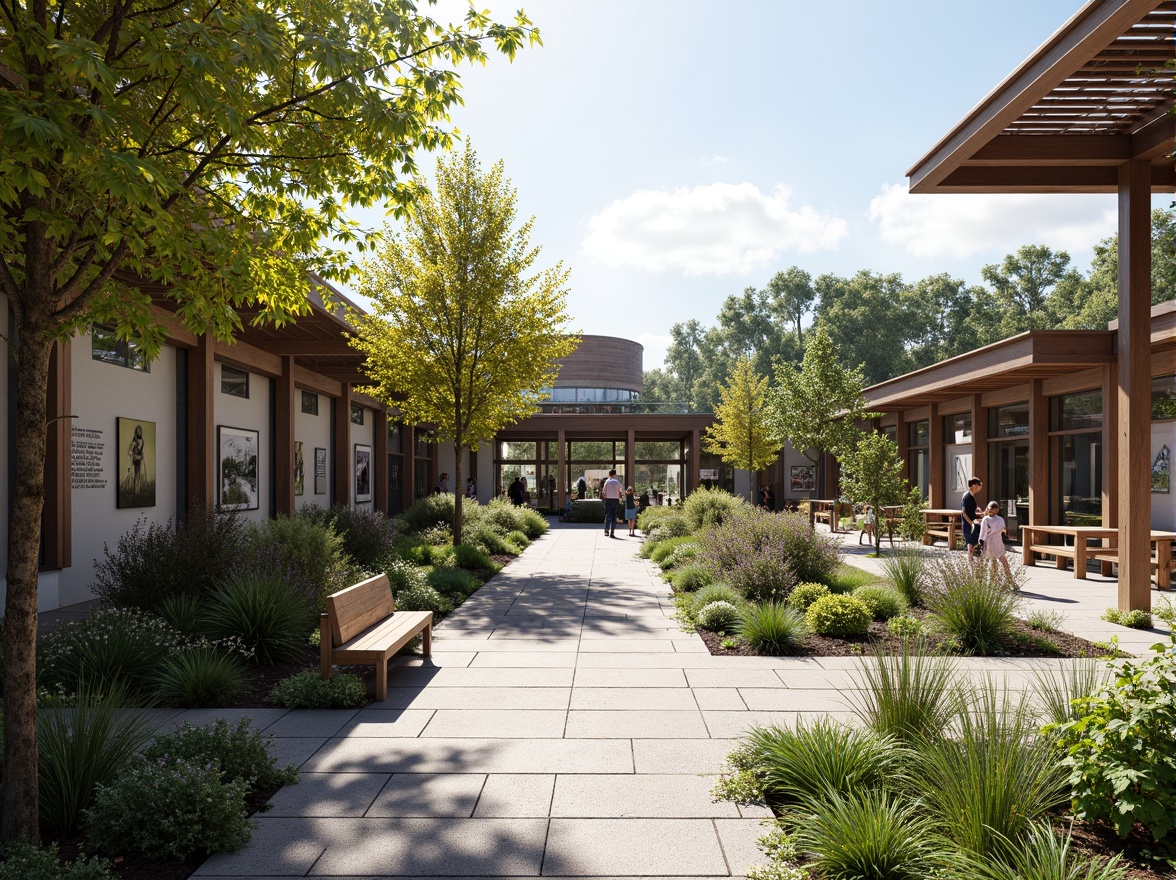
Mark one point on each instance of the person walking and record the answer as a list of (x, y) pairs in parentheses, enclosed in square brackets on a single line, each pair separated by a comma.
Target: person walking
[(992, 535), (611, 493), (471, 489), (971, 511), (631, 511)]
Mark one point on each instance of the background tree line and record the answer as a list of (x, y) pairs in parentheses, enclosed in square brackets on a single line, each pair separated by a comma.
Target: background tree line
[(890, 326)]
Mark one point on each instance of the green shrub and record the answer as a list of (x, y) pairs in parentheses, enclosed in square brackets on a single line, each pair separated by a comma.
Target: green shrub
[(432, 511), (715, 592), (664, 548), (704, 507), (718, 616), (258, 608), (1136, 619), (1042, 855), (883, 602), (241, 753), (648, 516), (1043, 620), (973, 604), (869, 834), (307, 690), (298, 550), (367, 535), (839, 617), (906, 569), (420, 596), (910, 696), (154, 561), (1117, 749), (847, 578), (483, 535), (81, 746), (444, 556), (534, 524), (473, 558), (169, 809), (683, 554), (804, 595), (674, 526), (23, 861), (199, 676), (117, 648), (774, 629), (453, 582), (520, 541), (414, 551), (401, 575), (690, 578), (913, 523), (182, 612), (905, 626)]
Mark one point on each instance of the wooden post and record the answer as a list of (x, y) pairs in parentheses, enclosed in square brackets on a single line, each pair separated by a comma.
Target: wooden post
[(407, 465), (1110, 452), (202, 452), (936, 480), (56, 519), (1038, 455), (342, 435), (561, 467), (902, 440), (284, 439), (380, 462), (1134, 385), (631, 463), (690, 480)]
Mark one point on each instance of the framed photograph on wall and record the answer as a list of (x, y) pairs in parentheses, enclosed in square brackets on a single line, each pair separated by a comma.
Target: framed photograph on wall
[(363, 473), (1161, 472), (136, 463), (320, 470), (299, 469), (237, 486), (804, 478)]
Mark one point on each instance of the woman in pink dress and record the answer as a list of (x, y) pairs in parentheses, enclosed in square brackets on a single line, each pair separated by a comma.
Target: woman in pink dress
[(992, 535)]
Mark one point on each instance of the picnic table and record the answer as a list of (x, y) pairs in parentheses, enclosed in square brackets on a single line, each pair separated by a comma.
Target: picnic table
[(945, 523), (1106, 551), (824, 510)]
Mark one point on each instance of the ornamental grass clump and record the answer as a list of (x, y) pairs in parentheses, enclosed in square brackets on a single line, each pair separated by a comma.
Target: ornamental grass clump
[(1056, 689), (975, 604), (774, 629), (715, 592), (200, 676), (666, 547), (1041, 855), (839, 617), (689, 578), (906, 569), (910, 696), (258, 608)]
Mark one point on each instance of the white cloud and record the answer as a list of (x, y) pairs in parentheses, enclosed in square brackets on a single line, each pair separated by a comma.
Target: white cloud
[(656, 346), (716, 229), (713, 160), (962, 225)]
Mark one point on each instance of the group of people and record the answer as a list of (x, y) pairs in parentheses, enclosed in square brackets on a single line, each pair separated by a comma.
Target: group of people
[(442, 486), (984, 534), (613, 495)]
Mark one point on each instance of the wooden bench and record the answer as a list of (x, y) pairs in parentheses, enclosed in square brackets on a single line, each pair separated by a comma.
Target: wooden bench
[(1061, 552), (363, 627)]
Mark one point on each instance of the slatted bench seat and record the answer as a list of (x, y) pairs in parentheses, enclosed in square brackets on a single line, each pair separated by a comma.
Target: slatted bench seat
[(362, 627), (1061, 552)]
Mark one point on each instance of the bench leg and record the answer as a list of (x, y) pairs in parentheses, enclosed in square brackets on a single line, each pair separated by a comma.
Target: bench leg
[(427, 642), (1080, 560), (382, 679), (324, 647)]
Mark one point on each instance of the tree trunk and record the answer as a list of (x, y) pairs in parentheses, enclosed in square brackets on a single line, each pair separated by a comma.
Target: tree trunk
[(20, 818), (458, 493)]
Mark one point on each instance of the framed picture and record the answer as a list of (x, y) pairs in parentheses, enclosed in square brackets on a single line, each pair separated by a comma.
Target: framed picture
[(1161, 473), (136, 463), (804, 478), (363, 473), (320, 470), (299, 468), (237, 479)]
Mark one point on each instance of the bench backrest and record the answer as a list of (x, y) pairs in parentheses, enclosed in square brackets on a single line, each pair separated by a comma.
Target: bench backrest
[(353, 610)]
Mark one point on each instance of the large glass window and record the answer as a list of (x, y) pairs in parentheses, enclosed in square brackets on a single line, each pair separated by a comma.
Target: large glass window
[(957, 429), (919, 456), (1010, 421), (1163, 398), (1074, 412), (1076, 440)]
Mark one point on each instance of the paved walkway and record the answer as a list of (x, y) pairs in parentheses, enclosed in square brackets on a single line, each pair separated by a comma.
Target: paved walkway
[(564, 727)]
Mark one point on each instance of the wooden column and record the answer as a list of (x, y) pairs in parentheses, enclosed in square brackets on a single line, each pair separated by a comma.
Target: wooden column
[(631, 462), (284, 439), (380, 462), (1110, 452), (202, 452), (56, 518), (936, 479), (1038, 455), (1134, 385), (979, 442), (561, 467), (691, 479), (407, 465), (901, 439), (342, 436)]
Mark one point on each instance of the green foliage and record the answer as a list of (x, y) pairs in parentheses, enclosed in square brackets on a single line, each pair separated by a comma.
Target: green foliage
[(80, 747), (305, 549), (913, 524), (689, 578), (453, 583), (473, 558), (683, 554), (21, 860), (1117, 747), (883, 602), (534, 524), (719, 616), (647, 517), (702, 508), (715, 592), (1040, 855), (483, 535), (910, 696), (241, 753), (199, 676), (774, 629), (743, 433), (1136, 619), (804, 595), (258, 608), (169, 808), (182, 612), (906, 569), (367, 535), (1056, 688), (905, 626), (872, 473), (869, 834), (307, 690), (518, 541), (846, 578), (1044, 620), (421, 596), (839, 617), (431, 511), (664, 547), (974, 604), (676, 526)]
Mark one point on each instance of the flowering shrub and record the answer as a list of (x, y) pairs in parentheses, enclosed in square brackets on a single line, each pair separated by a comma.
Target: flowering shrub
[(710, 507), (804, 595), (839, 616), (718, 616), (22, 860), (241, 752), (307, 690)]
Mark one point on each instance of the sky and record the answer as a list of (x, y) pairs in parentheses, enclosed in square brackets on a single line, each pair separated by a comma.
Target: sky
[(675, 152)]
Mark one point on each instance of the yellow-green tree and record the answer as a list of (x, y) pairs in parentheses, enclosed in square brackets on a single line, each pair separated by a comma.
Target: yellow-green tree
[(742, 434), (464, 334)]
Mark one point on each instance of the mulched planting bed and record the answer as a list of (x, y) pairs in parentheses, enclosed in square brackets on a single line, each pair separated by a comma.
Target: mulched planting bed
[(1029, 642)]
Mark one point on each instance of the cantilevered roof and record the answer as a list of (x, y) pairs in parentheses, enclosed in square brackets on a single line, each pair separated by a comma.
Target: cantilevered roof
[(1096, 94)]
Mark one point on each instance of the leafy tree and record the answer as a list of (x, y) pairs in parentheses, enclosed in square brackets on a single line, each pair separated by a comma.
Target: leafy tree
[(868, 318), (871, 473), (940, 308), (1022, 298), (462, 336), (684, 362), (742, 434), (206, 150), (792, 295)]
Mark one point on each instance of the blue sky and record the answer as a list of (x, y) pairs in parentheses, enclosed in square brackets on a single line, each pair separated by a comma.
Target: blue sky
[(674, 152)]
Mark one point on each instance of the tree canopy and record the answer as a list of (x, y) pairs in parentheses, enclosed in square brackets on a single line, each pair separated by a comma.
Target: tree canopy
[(871, 473), (463, 334), (742, 435)]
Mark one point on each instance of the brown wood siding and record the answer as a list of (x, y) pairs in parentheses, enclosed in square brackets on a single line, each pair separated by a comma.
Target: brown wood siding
[(603, 362)]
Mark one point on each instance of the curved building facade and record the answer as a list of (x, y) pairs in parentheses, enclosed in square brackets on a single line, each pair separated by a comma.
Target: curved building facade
[(602, 371)]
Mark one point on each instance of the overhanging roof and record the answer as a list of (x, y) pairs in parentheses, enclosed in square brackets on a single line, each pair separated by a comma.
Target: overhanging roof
[(1096, 94)]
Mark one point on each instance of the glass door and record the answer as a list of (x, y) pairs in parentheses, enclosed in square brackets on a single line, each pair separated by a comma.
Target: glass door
[(1008, 483)]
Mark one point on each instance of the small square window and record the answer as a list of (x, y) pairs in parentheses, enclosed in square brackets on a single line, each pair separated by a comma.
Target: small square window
[(310, 403), (107, 347), (356, 414), (234, 382)]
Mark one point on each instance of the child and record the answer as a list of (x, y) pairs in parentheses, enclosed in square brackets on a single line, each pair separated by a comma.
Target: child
[(868, 526), (992, 535)]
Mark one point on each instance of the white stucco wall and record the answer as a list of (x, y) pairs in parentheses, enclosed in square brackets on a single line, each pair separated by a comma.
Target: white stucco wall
[(252, 415), (362, 435), (313, 432), (1163, 507), (101, 394)]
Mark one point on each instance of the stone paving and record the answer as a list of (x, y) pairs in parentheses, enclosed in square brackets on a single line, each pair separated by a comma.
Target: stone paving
[(565, 726)]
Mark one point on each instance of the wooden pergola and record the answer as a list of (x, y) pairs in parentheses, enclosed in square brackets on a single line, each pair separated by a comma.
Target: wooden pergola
[(1091, 111)]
